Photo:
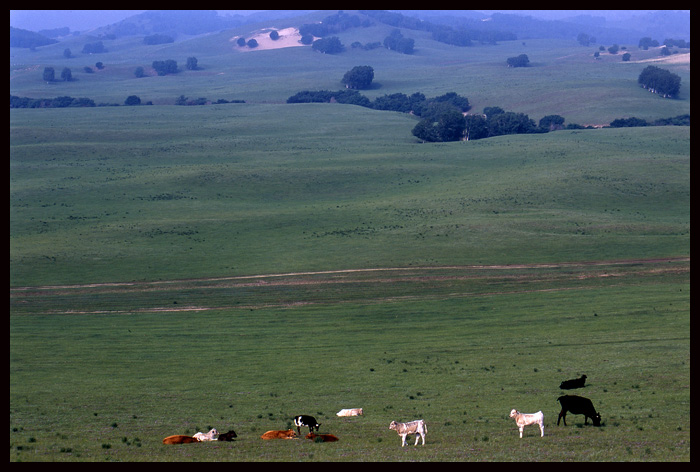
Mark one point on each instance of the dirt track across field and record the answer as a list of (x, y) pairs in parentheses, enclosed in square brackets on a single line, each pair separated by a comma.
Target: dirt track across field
[(371, 285)]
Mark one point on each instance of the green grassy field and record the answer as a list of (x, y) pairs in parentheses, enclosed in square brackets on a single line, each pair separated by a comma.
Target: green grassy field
[(252, 189), (174, 269), (457, 347)]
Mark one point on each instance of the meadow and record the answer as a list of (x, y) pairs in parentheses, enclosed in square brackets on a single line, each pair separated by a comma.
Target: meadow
[(174, 269)]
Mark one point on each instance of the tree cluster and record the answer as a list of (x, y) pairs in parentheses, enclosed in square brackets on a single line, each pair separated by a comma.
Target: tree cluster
[(169, 66), (49, 74), (660, 81), (94, 48), (518, 61), (447, 126), (58, 102), (359, 77), (332, 24), (585, 39), (632, 122), (331, 45), (397, 42)]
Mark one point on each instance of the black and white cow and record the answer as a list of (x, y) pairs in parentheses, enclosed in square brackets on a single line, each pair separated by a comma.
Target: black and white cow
[(306, 421), (578, 406)]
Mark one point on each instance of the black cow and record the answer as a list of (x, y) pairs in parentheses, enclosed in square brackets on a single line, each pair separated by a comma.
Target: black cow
[(578, 406), (227, 436), (573, 383), (307, 421)]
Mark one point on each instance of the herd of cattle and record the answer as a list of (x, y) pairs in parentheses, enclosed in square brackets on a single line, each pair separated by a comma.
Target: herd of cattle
[(569, 404)]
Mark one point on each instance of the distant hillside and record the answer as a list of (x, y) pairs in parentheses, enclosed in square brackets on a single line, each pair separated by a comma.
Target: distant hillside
[(186, 22), (659, 25), (20, 38)]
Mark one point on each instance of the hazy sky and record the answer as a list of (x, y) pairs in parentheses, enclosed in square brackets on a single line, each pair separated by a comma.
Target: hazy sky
[(82, 20), (77, 20)]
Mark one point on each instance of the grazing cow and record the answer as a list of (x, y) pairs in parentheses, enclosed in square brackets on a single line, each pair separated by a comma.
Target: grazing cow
[(578, 406), (573, 383), (416, 427), (350, 412), (289, 434), (180, 439), (227, 436), (210, 436), (306, 421), (321, 437), (525, 419)]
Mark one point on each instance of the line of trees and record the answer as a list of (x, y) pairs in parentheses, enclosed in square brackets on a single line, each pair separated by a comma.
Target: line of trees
[(660, 81), (131, 100), (416, 103), (58, 102)]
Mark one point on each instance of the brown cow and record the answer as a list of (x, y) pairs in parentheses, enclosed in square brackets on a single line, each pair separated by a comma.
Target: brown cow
[(180, 439), (276, 434), (321, 437)]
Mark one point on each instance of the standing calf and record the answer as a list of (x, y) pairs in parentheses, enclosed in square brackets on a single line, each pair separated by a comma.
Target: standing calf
[(306, 420), (416, 427), (524, 419)]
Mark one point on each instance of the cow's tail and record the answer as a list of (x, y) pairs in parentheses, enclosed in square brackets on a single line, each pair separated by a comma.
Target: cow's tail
[(425, 427)]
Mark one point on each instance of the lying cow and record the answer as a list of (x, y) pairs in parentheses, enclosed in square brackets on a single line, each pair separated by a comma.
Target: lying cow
[(578, 406), (416, 427), (525, 419), (227, 436), (350, 412), (573, 383), (321, 437), (180, 439), (306, 421), (275, 434), (210, 436)]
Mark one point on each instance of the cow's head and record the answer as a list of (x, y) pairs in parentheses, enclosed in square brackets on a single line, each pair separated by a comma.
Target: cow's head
[(596, 419), (392, 425)]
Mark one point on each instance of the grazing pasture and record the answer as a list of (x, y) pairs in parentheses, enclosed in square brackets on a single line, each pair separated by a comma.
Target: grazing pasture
[(456, 347), (182, 269)]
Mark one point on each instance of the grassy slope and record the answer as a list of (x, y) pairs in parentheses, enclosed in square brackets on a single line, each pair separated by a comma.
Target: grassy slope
[(255, 189)]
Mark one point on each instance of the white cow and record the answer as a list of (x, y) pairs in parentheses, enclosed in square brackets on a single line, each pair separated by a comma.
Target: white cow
[(210, 436), (350, 412), (524, 419), (416, 427)]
